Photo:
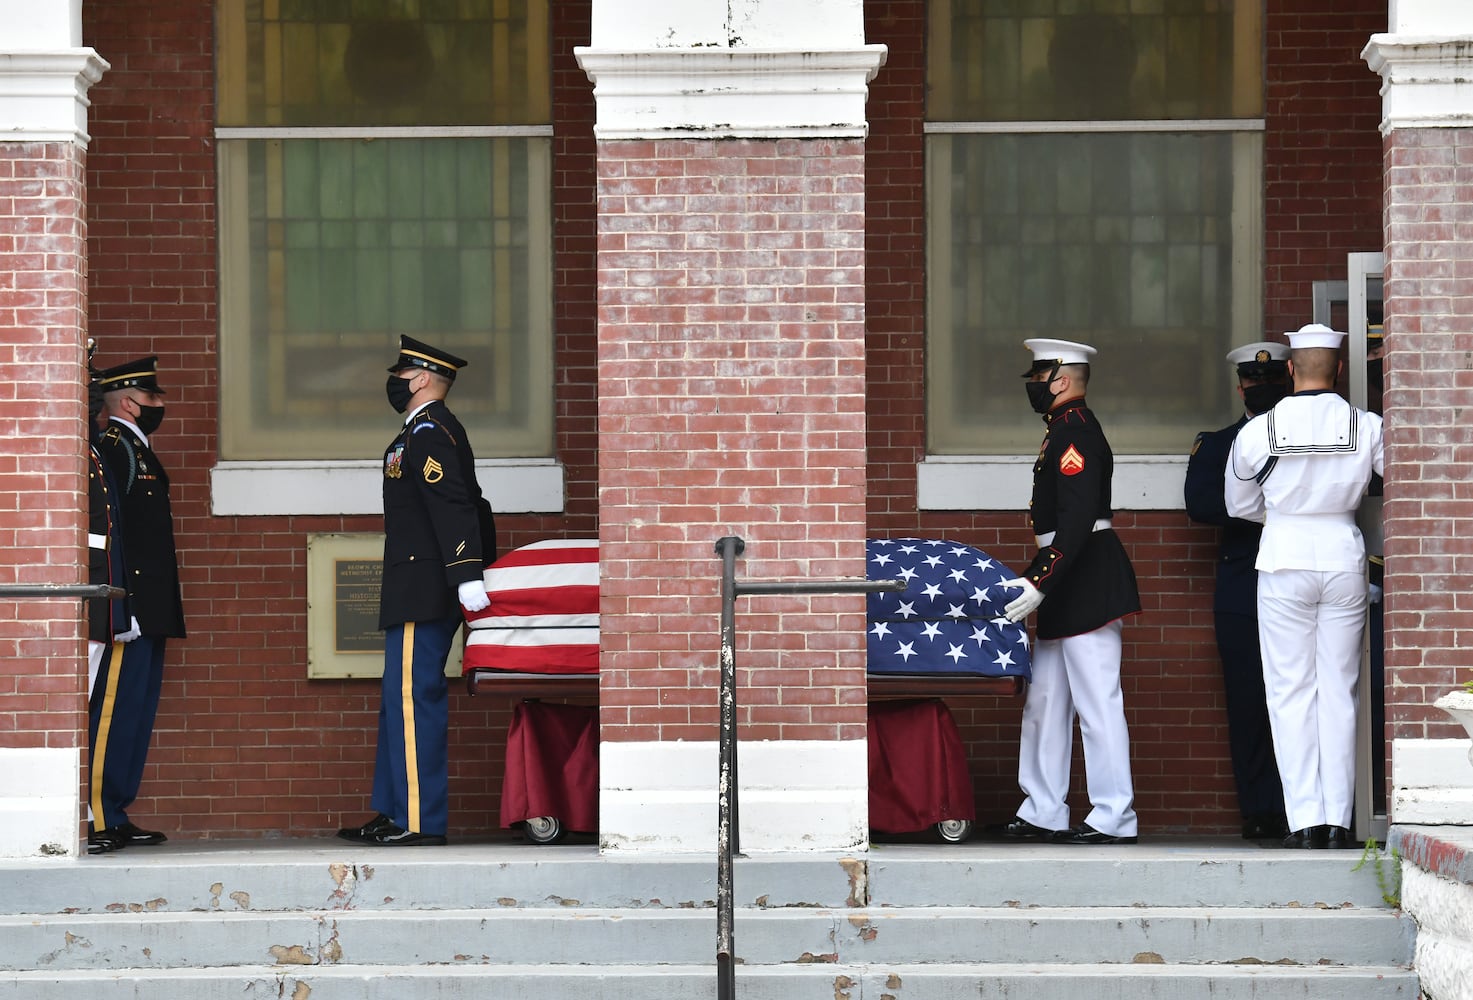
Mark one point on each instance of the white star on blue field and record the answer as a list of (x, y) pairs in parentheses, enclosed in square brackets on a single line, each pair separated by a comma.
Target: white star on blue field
[(949, 619)]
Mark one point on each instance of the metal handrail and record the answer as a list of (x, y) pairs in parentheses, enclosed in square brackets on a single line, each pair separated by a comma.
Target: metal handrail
[(86, 591), (728, 835)]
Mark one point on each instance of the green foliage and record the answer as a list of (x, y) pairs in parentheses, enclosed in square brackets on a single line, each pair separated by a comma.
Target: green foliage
[(1389, 883)]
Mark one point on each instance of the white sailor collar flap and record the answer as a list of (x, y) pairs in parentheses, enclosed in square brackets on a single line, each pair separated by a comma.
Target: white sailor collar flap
[(1296, 429)]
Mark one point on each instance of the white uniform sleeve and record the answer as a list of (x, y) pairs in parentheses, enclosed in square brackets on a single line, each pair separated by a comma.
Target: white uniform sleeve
[(1242, 493)]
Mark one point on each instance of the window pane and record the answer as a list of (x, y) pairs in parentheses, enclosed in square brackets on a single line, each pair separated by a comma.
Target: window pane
[(1081, 60), (1142, 244), (341, 245), (383, 62)]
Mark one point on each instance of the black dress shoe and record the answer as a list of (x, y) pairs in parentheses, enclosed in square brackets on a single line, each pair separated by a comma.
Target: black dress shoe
[(1020, 829), (392, 835), (364, 834), (1337, 838), (134, 836), (104, 842), (1310, 838), (1264, 828), (1086, 834)]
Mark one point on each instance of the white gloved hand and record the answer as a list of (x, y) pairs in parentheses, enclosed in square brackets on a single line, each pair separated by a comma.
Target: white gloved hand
[(1025, 603), (132, 633), (1373, 593), (473, 595)]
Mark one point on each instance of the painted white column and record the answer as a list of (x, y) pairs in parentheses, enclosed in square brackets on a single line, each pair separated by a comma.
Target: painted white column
[(45, 74), (752, 70), (1425, 62)]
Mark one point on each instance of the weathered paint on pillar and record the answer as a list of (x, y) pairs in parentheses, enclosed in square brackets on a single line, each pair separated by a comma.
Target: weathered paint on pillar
[(731, 402), (1426, 65), (44, 77)]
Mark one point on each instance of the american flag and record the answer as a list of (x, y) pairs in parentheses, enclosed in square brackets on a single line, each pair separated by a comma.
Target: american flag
[(949, 618), (543, 616)]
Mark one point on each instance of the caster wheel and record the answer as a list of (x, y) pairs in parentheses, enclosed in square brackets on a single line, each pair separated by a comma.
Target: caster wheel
[(542, 829), (954, 831)]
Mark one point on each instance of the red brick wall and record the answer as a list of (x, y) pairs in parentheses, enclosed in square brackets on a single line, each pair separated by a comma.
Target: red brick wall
[(43, 302), (273, 753), (731, 402), (1429, 339)]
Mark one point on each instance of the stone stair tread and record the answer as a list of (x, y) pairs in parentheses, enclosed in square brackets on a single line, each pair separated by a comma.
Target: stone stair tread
[(698, 982)]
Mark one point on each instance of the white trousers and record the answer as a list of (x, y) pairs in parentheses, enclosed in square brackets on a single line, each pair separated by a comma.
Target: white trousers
[(1309, 628), (1080, 674)]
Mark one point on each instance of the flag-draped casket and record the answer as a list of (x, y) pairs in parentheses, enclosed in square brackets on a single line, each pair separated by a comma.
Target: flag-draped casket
[(949, 619), (543, 616)]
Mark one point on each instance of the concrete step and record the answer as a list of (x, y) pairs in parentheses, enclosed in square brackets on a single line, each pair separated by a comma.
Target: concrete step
[(913, 935), (318, 875), (698, 982)]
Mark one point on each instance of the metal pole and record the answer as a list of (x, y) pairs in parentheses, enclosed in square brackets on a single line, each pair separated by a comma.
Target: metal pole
[(728, 828), (82, 590), (728, 548)]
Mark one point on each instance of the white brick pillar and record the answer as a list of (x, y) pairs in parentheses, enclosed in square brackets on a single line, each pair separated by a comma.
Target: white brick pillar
[(731, 402), (44, 78)]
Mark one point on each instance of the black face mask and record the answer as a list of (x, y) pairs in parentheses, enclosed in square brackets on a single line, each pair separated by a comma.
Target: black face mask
[(1039, 396), (399, 393), (1261, 398), (149, 418)]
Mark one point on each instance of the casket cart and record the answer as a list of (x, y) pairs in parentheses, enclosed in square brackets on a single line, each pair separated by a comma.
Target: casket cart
[(943, 636)]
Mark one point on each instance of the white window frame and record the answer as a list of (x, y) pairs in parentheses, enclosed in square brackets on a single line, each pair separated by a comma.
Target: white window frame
[(1141, 482), (287, 487)]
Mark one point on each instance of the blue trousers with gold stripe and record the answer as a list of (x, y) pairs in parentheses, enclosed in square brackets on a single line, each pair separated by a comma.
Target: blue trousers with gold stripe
[(411, 775), (125, 699)]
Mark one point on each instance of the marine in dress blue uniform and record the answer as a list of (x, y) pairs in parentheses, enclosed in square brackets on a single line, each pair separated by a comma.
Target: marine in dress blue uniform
[(1263, 374), (438, 537), (126, 697), (1083, 586)]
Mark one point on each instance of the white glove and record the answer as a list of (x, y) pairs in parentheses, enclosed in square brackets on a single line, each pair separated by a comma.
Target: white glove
[(1373, 593), (473, 595), (1025, 603), (132, 633)]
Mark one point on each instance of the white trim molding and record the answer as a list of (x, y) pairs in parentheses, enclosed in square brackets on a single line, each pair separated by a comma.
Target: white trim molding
[(40, 805), (1426, 80), (1005, 482), (718, 93), (795, 795), (43, 94), (513, 485), (1431, 782)]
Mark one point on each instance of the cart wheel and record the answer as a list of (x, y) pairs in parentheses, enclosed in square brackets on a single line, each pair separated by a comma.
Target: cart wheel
[(543, 829), (954, 831)]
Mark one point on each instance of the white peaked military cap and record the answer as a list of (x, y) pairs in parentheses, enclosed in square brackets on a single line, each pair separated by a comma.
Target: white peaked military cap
[(1315, 335), (1048, 353), (1260, 353)]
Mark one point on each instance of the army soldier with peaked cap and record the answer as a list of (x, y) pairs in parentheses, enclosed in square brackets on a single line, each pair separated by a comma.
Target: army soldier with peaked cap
[(438, 537), (1082, 585), (126, 695), (1263, 380), (1301, 469)]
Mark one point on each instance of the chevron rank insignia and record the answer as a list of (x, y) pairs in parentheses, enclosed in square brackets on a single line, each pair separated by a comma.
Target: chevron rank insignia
[(1071, 463)]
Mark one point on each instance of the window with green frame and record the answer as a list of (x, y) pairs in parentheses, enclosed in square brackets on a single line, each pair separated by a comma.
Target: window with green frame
[(1094, 173), (384, 169)]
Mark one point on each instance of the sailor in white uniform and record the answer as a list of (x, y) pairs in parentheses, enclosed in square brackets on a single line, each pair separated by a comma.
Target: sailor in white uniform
[(1302, 469)]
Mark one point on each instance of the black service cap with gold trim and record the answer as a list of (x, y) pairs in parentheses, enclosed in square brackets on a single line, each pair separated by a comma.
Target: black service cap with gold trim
[(417, 354), (141, 374)]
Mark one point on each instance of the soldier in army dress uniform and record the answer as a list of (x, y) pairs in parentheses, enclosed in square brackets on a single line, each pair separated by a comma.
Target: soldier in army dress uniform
[(1083, 586), (438, 537), (105, 618), (129, 680), (1263, 376)]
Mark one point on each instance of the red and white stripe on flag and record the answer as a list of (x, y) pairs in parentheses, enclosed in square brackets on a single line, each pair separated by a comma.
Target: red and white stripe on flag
[(543, 616)]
